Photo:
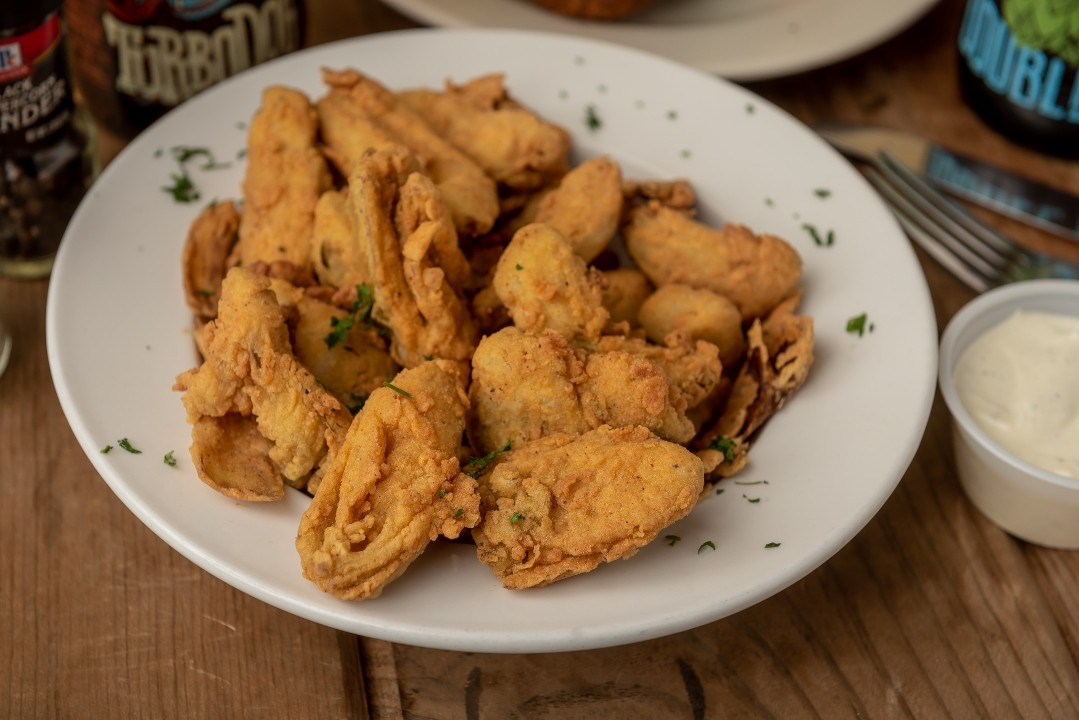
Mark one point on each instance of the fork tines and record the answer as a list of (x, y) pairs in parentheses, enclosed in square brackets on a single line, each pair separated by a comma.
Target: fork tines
[(975, 254)]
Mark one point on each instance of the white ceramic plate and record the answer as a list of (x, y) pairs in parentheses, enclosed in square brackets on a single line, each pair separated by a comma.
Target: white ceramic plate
[(737, 39), (118, 334)]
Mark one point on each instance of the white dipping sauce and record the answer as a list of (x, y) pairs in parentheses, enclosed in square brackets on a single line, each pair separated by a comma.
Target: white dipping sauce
[(1020, 383)]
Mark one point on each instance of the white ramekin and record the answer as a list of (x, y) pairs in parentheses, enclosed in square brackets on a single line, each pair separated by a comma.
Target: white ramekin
[(1030, 503)]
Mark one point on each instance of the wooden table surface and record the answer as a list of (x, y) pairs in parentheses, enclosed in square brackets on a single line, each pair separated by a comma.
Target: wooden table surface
[(931, 611)]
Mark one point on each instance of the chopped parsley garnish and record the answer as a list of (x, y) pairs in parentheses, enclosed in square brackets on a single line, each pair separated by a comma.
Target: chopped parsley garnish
[(706, 544), (822, 193), (475, 465), (399, 391), (169, 459), (826, 240), (752, 500), (719, 491), (672, 114), (750, 108), (359, 312), (458, 513), (671, 540), (591, 118), (772, 545), (126, 445), (755, 482), (441, 493), (519, 266), (105, 450), (686, 153), (724, 445), (857, 325), (516, 518), (358, 401), (183, 187)]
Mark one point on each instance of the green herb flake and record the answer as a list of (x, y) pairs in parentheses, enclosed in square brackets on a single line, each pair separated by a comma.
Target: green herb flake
[(724, 445), (772, 545), (769, 202), (359, 312), (672, 540), (672, 114), (183, 190), (719, 491), (823, 193), (399, 391), (819, 240), (750, 108), (686, 153), (516, 518), (752, 500), (459, 512), (706, 544), (519, 266), (441, 493), (755, 482), (474, 466), (126, 445), (857, 325), (591, 118), (106, 450), (357, 402), (169, 459)]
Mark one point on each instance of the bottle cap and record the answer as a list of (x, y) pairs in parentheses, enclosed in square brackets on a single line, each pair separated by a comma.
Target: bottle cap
[(20, 14)]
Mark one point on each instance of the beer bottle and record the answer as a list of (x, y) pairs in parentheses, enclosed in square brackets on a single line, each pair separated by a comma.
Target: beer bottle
[(137, 59), (1017, 70)]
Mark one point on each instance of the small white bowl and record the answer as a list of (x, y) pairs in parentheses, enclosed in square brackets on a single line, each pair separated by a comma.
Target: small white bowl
[(1030, 503)]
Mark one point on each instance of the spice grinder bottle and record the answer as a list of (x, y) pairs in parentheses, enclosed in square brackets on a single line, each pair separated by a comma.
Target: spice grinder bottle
[(1018, 63), (45, 165), (135, 60)]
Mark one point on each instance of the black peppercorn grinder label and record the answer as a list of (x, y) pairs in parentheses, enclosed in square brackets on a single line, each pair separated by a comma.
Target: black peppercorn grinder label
[(35, 99)]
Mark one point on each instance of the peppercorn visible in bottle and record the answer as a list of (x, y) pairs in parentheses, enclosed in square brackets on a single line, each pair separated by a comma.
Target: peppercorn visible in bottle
[(45, 166)]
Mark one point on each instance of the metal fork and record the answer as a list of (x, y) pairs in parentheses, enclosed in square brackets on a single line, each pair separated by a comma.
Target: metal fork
[(980, 257)]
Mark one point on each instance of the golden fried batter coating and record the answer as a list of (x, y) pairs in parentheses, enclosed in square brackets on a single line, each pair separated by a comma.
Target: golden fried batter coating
[(336, 256), (777, 363), (351, 367), (469, 193), (409, 242), (206, 257), (525, 386), (624, 291), (545, 286), (586, 207), (560, 506), (512, 144), (393, 487), (250, 370), (754, 271), (285, 176), (699, 313), (231, 456)]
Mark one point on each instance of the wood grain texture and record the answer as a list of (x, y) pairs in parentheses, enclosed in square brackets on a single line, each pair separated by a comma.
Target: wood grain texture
[(930, 612)]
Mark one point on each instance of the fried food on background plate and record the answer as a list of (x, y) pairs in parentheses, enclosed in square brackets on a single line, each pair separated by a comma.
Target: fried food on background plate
[(206, 257), (394, 486), (250, 370), (285, 176), (470, 195), (410, 245), (514, 146), (754, 271), (546, 286), (561, 505)]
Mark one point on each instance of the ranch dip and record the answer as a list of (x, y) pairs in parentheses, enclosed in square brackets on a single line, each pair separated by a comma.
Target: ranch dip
[(1020, 383)]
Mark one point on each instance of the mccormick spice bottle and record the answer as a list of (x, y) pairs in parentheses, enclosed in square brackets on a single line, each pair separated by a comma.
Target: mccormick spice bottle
[(45, 163), (1017, 70), (137, 59)]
